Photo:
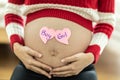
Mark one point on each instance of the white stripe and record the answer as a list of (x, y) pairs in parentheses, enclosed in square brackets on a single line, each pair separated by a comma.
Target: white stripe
[(13, 8), (14, 28), (107, 18), (100, 39), (87, 13)]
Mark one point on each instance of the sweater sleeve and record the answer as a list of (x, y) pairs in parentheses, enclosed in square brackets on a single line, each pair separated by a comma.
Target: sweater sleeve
[(14, 21), (103, 29)]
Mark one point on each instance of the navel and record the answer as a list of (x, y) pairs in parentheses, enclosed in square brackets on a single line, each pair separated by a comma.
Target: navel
[(53, 52)]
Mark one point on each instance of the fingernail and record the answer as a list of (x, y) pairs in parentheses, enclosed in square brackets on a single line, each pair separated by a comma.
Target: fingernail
[(62, 60), (49, 76), (39, 55)]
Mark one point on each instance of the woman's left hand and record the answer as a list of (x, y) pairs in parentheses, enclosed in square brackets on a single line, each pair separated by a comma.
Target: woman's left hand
[(74, 65)]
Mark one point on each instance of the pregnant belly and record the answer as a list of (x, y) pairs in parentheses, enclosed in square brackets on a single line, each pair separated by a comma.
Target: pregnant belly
[(53, 51)]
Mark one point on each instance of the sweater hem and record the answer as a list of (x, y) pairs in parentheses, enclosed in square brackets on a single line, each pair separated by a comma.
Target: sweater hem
[(60, 14)]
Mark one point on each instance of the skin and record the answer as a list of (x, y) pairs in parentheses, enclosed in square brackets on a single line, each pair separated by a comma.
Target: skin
[(69, 60), (75, 64), (28, 58)]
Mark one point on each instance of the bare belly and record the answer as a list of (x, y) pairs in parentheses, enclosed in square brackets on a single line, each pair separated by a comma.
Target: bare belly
[(53, 51)]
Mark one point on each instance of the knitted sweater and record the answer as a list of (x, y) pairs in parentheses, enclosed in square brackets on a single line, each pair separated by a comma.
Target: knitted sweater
[(83, 12)]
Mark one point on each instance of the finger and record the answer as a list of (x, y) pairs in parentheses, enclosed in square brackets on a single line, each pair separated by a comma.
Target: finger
[(61, 73), (66, 75), (40, 71), (71, 58), (63, 68), (41, 65), (33, 53)]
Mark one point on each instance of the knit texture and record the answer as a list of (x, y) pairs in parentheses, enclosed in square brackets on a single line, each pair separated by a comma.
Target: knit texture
[(83, 12)]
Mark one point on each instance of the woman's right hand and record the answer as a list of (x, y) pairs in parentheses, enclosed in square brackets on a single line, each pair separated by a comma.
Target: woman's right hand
[(26, 55)]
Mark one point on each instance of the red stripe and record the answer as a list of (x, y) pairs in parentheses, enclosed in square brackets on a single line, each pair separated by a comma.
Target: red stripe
[(79, 3), (104, 28), (16, 38), (95, 49), (13, 18), (19, 2), (60, 14)]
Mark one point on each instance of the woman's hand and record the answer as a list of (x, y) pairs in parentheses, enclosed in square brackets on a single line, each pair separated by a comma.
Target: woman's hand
[(26, 55), (74, 65)]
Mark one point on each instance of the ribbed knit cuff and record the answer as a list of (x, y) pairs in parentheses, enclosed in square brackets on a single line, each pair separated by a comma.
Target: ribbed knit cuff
[(95, 50), (104, 28), (13, 18), (16, 38)]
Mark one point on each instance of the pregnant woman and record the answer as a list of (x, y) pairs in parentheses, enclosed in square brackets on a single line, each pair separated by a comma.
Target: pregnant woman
[(56, 39)]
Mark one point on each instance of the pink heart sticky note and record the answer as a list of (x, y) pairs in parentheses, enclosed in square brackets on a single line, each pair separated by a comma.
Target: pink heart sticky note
[(63, 35), (46, 34)]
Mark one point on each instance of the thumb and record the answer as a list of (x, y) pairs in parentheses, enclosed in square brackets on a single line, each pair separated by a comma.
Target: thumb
[(70, 59), (33, 53)]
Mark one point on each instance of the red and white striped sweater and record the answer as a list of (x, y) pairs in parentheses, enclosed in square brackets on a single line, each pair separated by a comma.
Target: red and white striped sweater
[(83, 12)]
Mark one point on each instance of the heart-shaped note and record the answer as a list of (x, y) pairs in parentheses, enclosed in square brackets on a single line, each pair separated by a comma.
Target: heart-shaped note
[(60, 35), (63, 35), (46, 34)]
